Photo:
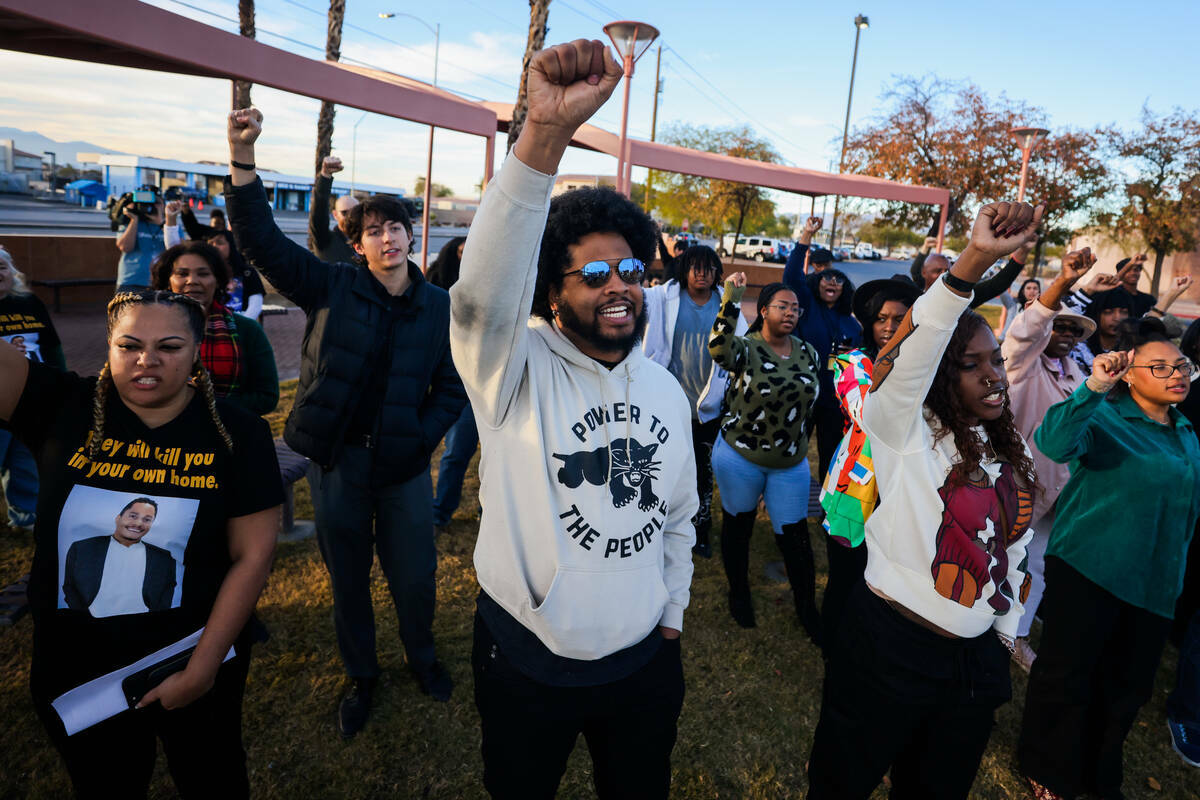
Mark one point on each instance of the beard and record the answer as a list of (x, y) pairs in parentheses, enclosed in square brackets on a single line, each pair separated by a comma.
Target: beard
[(592, 335)]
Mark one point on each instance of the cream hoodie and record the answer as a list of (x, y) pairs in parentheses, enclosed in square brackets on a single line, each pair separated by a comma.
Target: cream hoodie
[(955, 555), (587, 478)]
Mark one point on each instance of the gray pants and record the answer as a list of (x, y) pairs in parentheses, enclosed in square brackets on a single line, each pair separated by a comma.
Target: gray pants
[(355, 521)]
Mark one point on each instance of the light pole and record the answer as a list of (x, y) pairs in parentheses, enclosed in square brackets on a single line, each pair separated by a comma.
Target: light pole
[(630, 40), (436, 30), (354, 152), (860, 24), (1028, 138)]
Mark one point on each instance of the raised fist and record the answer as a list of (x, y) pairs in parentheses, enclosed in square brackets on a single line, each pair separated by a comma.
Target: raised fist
[(245, 125), (1003, 228), (1108, 368), (330, 165), (1076, 264), (813, 224), (1181, 283), (1101, 283), (569, 82), (929, 243), (737, 279)]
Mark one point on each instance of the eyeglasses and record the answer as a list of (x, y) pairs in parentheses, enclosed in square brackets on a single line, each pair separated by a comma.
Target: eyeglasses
[(838, 279), (785, 307), (596, 273), (1187, 369), (1069, 328)]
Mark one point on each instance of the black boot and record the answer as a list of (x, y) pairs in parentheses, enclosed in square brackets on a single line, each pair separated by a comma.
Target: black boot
[(797, 552), (735, 552), (355, 706)]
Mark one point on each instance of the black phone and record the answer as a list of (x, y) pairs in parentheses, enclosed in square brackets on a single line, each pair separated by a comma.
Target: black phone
[(137, 685)]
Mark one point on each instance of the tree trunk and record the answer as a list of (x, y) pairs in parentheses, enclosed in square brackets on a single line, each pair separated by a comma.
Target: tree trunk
[(241, 89), (736, 234), (1156, 277), (333, 52), (1035, 269), (539, 11)]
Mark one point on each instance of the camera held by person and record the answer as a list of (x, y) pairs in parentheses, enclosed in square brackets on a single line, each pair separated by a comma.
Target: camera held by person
[(143, 201)]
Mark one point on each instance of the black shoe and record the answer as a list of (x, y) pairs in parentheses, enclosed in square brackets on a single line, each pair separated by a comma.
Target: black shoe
[(435, 681), (702, 547), (735, 553), (741, 608), (355, 706), (796, 547)]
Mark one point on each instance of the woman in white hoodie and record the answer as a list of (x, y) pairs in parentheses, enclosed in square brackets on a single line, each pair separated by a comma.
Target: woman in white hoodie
[(920, 662)]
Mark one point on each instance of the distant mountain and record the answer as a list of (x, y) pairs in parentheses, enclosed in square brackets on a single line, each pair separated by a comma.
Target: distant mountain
[(36, 143)]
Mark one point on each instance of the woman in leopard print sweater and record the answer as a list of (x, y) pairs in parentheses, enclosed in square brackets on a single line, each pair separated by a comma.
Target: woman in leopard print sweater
[(763, 446)]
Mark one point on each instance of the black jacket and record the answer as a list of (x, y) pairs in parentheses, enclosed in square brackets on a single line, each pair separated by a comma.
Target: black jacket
[(329, 243), (346, 314), (84, 572)]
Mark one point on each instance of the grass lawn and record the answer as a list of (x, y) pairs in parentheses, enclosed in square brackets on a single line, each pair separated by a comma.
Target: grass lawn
[(752, 696)]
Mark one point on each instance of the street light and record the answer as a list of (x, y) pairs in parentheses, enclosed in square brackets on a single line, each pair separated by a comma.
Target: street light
[(1028, 138), (436, 30), (630, 40), (861, 23)]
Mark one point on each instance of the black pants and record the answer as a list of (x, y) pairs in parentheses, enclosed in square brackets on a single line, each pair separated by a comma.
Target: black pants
[(830, 424), (1094, 671), (897, 695), (846, 567), (202, 742), (529, 728), (703, 436)]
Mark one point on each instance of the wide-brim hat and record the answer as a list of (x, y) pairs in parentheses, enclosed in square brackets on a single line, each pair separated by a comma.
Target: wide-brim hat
[(903, 290), (1087, 323)]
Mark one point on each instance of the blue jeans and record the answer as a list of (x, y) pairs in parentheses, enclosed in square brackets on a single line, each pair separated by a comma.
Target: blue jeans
[(461, 440), (355, 521), (19, 479), (742, 482), (1183, 705)]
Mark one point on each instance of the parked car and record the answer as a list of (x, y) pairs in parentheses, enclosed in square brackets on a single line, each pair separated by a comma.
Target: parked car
[(865, 250), (760, 248), (840, 254)]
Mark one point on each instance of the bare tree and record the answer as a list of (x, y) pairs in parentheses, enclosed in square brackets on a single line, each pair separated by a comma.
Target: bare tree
[(241, 89), (539, 12)]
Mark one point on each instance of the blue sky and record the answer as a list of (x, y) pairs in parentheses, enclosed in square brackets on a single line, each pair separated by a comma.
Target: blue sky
[(782, 67)]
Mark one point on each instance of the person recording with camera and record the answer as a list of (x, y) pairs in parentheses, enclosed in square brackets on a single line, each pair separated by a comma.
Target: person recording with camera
[(139, 238)]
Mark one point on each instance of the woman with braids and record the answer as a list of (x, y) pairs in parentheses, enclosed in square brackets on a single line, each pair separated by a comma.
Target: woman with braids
[(762, 448), (235, 350), (1116, 559), (203, 480), (919, 662)]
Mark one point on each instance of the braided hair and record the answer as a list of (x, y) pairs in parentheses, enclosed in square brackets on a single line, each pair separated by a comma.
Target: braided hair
[(943, 400), (196, 314)]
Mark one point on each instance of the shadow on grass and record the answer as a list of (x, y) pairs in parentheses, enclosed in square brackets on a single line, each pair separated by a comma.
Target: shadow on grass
[(752, 703)]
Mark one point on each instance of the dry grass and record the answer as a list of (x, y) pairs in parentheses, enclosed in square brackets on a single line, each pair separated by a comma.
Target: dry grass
[(752, 703)]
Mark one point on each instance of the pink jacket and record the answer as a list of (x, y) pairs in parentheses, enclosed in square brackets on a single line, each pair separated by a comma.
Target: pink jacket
[(1036, 382)]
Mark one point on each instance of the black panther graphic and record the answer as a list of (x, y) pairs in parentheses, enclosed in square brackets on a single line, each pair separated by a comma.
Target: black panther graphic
[(632, 471)]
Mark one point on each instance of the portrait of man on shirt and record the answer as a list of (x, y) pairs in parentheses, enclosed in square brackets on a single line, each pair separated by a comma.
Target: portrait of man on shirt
[(120, 573)]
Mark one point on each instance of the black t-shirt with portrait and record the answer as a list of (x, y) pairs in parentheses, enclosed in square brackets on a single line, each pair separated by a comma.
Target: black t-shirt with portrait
[(131, 548), (25, 323)]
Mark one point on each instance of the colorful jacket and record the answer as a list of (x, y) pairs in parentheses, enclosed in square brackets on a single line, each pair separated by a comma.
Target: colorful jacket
[(850, 493)]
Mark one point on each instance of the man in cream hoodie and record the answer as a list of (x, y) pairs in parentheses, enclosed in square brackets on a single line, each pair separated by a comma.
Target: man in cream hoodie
[(587, 477)]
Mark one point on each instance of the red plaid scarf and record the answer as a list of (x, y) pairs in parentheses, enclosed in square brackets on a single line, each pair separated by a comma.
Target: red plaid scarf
[(220, 352)]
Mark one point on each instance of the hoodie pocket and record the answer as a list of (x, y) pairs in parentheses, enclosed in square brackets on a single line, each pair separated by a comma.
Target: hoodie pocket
[(588, 615)]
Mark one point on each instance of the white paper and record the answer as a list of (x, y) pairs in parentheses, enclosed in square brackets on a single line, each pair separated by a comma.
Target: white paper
[(103, 697)]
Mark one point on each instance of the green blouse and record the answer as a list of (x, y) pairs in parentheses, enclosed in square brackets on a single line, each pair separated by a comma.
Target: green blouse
[(1126, 516)]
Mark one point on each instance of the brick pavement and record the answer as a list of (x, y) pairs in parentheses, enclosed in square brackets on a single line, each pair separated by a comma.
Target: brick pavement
[(82, 332)]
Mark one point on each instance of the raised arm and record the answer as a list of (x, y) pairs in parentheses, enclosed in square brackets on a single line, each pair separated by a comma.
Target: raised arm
[(1065, 433), (318, 210), (296, 273), (1003, 279), (1168, 298), (195, 228), (490, 303), (728, 349), (905, 368), (1030, 333)]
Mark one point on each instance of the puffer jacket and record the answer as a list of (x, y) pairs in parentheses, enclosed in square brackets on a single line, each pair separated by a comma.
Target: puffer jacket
[(345, 314)]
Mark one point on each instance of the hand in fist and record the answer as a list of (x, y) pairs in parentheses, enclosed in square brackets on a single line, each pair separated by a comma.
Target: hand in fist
[(330, 165), (929, 244), (245, 125), (1181, 283), (737, 279), (813, 225), (1108, 368), (1101, 283), (1076, 264), (569, 82), (1002, 228)]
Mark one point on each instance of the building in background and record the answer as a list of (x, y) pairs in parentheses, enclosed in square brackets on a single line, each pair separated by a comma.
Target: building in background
[(565, 183), (18, 168)]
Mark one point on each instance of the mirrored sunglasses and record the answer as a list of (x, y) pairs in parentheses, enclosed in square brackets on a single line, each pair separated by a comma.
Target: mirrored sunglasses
[(596, 273)]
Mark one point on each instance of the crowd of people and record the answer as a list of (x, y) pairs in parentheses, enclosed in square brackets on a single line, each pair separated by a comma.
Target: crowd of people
[(971, 480)]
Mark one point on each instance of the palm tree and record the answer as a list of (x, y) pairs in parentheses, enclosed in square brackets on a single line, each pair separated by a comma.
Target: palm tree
[(539, 11), (333, 52), (241, 89)]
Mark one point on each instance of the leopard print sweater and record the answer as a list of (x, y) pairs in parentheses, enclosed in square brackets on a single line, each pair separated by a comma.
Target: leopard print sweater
[(769, 398)]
